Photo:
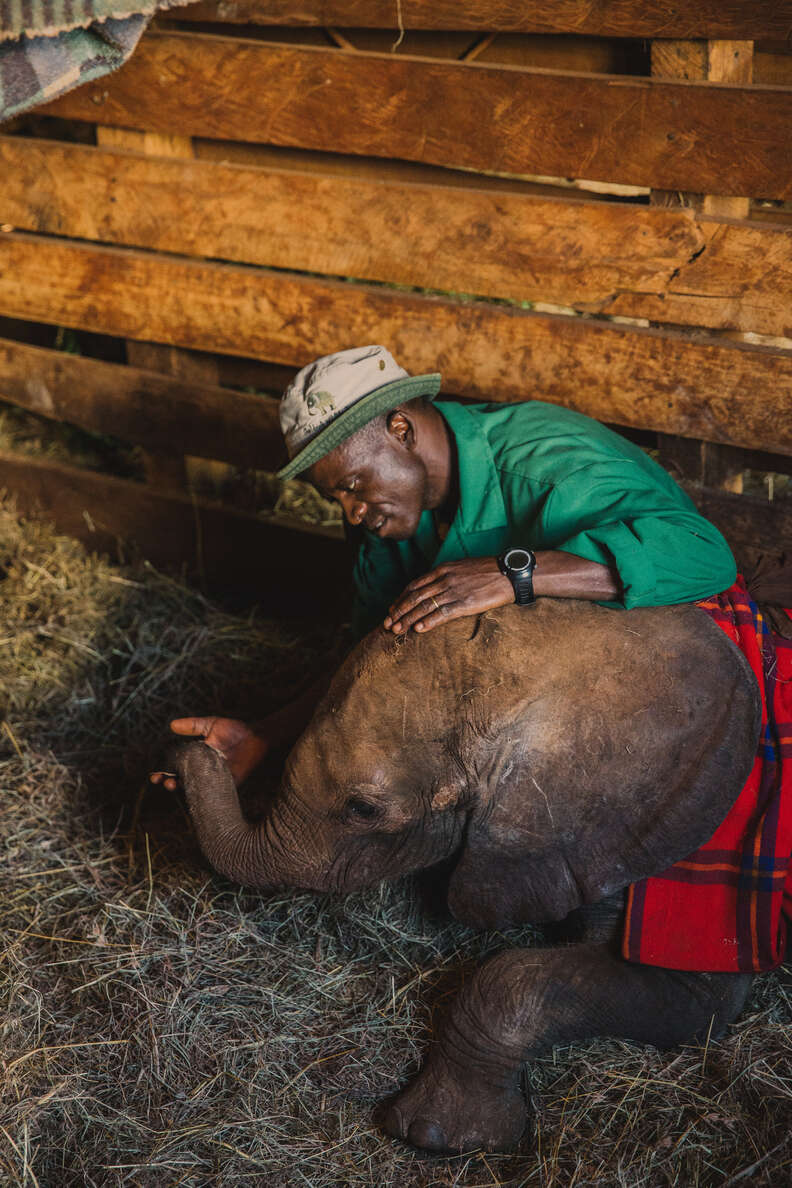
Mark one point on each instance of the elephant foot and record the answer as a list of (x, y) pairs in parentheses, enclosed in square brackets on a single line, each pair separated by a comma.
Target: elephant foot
[(444, 1112)]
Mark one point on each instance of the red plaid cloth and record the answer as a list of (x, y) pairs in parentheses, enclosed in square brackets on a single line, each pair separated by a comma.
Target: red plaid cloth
[(726, 906)]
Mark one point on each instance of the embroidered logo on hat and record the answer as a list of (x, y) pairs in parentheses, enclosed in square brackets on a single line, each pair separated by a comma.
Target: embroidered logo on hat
[(318, 402)]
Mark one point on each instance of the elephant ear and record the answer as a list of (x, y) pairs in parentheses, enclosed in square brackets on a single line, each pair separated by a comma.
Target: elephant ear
[(596, 795), (492, 887)]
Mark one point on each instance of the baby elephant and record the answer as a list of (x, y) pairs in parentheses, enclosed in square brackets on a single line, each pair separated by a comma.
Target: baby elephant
[(555, 755)]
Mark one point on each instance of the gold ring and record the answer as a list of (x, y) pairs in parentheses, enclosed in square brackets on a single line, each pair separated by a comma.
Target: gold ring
[(437, 604)]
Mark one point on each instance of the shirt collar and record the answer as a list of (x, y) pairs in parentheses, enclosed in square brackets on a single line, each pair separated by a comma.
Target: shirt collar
[(481, 507)]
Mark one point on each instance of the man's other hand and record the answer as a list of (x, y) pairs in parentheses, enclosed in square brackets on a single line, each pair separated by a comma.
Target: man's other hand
[(451, 591), (234, 740)]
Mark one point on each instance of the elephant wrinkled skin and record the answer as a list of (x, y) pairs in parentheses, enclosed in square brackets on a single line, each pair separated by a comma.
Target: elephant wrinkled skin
[(554, 755)]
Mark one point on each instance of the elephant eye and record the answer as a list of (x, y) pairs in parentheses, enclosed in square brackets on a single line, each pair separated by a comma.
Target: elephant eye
[(361, 808)]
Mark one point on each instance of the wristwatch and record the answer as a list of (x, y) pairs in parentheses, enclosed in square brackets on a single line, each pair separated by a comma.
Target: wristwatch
[(518, 566)]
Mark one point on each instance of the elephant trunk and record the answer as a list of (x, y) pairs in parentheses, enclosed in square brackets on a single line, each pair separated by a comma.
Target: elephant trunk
[(247, 853)]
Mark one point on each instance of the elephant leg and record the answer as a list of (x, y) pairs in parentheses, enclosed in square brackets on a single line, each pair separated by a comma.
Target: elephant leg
[(517, 1006)]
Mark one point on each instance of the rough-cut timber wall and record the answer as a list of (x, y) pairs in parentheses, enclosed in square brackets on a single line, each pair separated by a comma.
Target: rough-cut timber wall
[(523, 196)]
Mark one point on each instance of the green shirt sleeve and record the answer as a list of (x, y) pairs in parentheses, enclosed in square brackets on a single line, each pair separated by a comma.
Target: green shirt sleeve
[(663, 550), (379, 575)]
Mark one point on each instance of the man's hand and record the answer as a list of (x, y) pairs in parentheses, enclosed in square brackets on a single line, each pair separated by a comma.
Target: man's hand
[(234, 740), (453, 590)]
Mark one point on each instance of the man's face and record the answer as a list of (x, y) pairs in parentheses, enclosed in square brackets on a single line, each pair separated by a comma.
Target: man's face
[(378, 480)]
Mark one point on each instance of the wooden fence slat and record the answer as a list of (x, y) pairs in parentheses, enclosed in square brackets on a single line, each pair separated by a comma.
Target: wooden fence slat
[(600, 18), (718, 61), (750, 525), (708, 137), (629, 376), (167, 416), (271, 561), (679, 268)]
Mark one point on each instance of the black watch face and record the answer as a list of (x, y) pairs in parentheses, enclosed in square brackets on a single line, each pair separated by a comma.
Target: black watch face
[(517, 559)]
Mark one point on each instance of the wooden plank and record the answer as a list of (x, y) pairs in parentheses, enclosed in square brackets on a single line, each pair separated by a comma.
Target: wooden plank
[(673, 135), (733, 393), (708, 288), (421, 43), (680, 269), (232, 152), (599, 55), (748, 523), (705, 462), (273, 562), (269, 561), (167, 416), (773, 65), (600, 18)]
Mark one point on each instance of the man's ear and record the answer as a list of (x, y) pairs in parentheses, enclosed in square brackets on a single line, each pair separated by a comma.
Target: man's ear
[(400, 427)]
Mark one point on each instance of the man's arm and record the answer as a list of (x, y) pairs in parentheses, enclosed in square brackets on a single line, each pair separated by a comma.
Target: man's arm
[(476, 584), (243, 745), (618, 538)]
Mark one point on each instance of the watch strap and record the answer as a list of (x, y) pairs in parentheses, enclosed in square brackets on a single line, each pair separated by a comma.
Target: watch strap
[(521, 577)]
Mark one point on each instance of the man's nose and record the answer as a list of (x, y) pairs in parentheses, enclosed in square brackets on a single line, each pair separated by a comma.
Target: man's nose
[(354, 510)]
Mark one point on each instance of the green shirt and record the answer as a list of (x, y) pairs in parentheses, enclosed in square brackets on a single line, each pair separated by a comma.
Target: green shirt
[(536, 475)]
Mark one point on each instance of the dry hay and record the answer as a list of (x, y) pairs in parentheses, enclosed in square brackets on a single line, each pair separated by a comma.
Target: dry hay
[(162, 1027)]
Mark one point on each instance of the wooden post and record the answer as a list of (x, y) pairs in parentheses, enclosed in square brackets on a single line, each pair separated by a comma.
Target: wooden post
[(714, 61), (729, 62)]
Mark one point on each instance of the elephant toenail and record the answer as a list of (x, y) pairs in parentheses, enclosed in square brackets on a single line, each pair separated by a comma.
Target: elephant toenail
[(427, 1135), (394, 1123)]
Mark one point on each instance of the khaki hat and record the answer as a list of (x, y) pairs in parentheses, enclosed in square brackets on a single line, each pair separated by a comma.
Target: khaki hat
[(336, 395)]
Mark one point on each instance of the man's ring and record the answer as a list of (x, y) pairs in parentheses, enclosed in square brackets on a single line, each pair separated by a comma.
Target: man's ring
[(437, 604)]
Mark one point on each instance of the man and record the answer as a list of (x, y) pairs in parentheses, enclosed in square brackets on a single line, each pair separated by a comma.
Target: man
[(469, 507)]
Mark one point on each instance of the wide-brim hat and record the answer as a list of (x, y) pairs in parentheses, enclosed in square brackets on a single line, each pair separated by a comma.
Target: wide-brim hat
[(333, 397)]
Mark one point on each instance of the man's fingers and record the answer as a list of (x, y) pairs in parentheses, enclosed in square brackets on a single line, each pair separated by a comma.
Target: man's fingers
[(443, 614), (197, 727), (165, 778), (429, 611), (412, 594), (409, 601)]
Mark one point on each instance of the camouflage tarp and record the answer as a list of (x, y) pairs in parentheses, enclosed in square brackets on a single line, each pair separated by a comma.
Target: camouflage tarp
[(49, 46)]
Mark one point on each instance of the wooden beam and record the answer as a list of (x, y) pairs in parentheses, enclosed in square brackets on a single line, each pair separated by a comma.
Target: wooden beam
[(705, 462), (672, 135), (599, 18), (749, 524), (272, 562), (772, 66), (169, 417), (681, 268), (733, 393)]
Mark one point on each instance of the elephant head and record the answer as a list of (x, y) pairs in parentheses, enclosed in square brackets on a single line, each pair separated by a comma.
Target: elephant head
[(559, 753)]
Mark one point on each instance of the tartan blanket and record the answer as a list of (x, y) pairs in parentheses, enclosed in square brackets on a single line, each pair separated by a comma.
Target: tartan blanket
[(726, 906), (49, 46)]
